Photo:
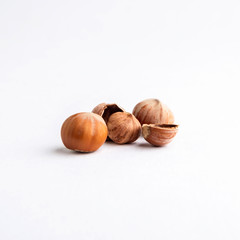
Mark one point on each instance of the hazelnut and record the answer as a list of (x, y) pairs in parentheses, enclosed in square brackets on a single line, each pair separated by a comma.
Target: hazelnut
[(153, 111), (106, 110), (159, 134), (123, 128), (84, 132)]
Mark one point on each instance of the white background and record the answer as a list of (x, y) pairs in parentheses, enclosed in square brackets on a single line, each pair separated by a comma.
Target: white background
[(58, 58)]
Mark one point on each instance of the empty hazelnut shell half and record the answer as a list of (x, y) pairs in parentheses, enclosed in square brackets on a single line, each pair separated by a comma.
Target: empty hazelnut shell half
[(152, 111), (159, 134), (106, 110)]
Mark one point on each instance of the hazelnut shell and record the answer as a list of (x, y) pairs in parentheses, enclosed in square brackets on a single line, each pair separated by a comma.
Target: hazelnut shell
[(159, 134), (123, 128), (84, 132), (106, 110), (152, 111)]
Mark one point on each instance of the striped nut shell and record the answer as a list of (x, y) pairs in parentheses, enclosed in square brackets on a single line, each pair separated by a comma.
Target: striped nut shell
[(152, 111), (84, 132), (106, 110), (159, 134), (123, 128)]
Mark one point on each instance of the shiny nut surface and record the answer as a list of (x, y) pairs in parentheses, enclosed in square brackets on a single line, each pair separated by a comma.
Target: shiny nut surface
[(84, 132), (152, 111), (106, 110), (123, 128), (159, 134)]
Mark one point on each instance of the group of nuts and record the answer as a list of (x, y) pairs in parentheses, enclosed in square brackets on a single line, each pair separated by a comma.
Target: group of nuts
[(87, 131)]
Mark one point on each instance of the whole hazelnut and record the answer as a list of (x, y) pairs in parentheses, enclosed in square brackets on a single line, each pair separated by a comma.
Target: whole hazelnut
[(106, 110), (123, 128), (84, 132), (153, 111), (159, 134)]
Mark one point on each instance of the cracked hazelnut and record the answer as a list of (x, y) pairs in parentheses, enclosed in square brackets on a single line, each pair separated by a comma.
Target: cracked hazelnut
[(152, 111), (84, 132), (159, 134), (106, 110), (123, 128)]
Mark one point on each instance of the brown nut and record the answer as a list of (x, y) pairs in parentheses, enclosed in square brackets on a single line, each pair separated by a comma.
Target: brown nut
[(106, 110), (123, 128), (152, 111), (159, 134), (84, 132)]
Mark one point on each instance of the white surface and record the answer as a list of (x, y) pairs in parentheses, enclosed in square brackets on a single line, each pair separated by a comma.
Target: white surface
[(58, 58)]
